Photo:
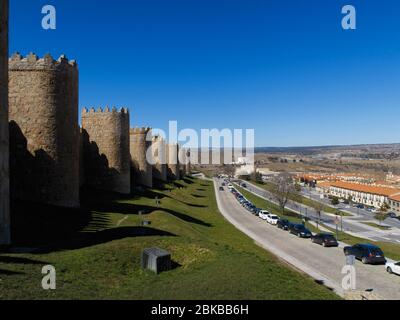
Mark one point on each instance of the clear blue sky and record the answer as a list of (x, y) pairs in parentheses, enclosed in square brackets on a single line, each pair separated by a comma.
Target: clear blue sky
[(282, 67)]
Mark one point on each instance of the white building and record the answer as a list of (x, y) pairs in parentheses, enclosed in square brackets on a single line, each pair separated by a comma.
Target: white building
[(394, 203), (372, 196)]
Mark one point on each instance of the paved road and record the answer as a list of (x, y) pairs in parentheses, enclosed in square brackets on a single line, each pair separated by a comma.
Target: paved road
[(351, 225), (320, 263)]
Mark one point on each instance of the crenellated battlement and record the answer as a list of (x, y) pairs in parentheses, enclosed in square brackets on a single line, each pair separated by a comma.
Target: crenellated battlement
[(43, 100), (144, 131), (101, 110), (32, 62), (106, 148)]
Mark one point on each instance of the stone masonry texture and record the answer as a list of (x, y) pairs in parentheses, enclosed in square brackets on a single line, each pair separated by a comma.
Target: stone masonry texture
[(105, 145), (140, 145), (159, 159), (173, 162), (44, 132), (5, 237)]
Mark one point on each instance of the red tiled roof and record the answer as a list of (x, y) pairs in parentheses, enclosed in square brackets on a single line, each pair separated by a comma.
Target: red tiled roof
[(395, 197), (382, 191)]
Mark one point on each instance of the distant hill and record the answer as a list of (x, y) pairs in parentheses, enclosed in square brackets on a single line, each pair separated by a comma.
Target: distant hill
[(319, 149)]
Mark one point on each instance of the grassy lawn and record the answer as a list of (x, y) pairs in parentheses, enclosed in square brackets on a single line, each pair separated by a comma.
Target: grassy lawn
[(303, 200), (375, 225), (96, 251)]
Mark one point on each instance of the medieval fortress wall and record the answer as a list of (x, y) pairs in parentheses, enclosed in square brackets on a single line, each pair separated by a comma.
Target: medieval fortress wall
[(43, 114), (173, 161), (188, 166), (4, 141), (105, 145), (141, 167), (46, 157), (182, 160), (160, 171)]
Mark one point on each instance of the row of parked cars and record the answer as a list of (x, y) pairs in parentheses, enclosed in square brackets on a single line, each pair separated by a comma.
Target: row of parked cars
[(366, 253), (296, 229)]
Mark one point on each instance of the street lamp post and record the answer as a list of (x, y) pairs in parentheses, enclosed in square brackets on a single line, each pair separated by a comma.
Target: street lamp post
[(341, 221)]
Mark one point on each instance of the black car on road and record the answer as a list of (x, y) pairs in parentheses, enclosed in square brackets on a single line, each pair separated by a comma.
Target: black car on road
[(284, 224), (366, 253), (325, 239), (300, 231)]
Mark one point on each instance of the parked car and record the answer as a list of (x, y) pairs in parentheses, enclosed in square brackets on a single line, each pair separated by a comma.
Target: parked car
[(272, 219), (263, 214), (393, 268), (392, 215), (221, 189), (284, 224), (325, 239), (366, 253), (300, 231), (252, 209)]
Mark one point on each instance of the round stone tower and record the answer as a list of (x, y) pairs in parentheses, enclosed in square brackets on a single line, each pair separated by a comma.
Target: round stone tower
[(105, 145), (182, 161), (173, 162), (4, 155), (188, 163), (44, 132), (141, 147), (159, 159)]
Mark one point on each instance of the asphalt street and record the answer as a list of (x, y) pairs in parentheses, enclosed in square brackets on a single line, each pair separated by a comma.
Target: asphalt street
[(323, 264)]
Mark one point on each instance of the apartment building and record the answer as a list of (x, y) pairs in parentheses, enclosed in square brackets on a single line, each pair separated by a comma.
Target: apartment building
[(369, 195)]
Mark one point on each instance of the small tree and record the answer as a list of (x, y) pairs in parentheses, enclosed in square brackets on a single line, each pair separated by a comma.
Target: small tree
[(382, 215), (335, 201), (283, 190), (229, 169), (350, 200), (256, 176)]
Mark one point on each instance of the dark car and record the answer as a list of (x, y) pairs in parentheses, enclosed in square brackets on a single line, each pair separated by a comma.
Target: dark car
[(300, 231), (325, 239), (221, 189), (393, 215), (284, 224), (366, 253)]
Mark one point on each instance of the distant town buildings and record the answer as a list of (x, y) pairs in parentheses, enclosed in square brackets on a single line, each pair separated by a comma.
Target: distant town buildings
[(359, 188), (372, 196), (394, 203)]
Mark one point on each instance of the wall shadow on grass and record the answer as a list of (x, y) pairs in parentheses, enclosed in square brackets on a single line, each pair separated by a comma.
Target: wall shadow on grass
[(89, 239), (10, 273), (45, 228), (35, 224), (16, 260)]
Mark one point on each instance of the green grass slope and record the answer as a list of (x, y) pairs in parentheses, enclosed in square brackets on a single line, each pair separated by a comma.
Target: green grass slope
[(96, 251)]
